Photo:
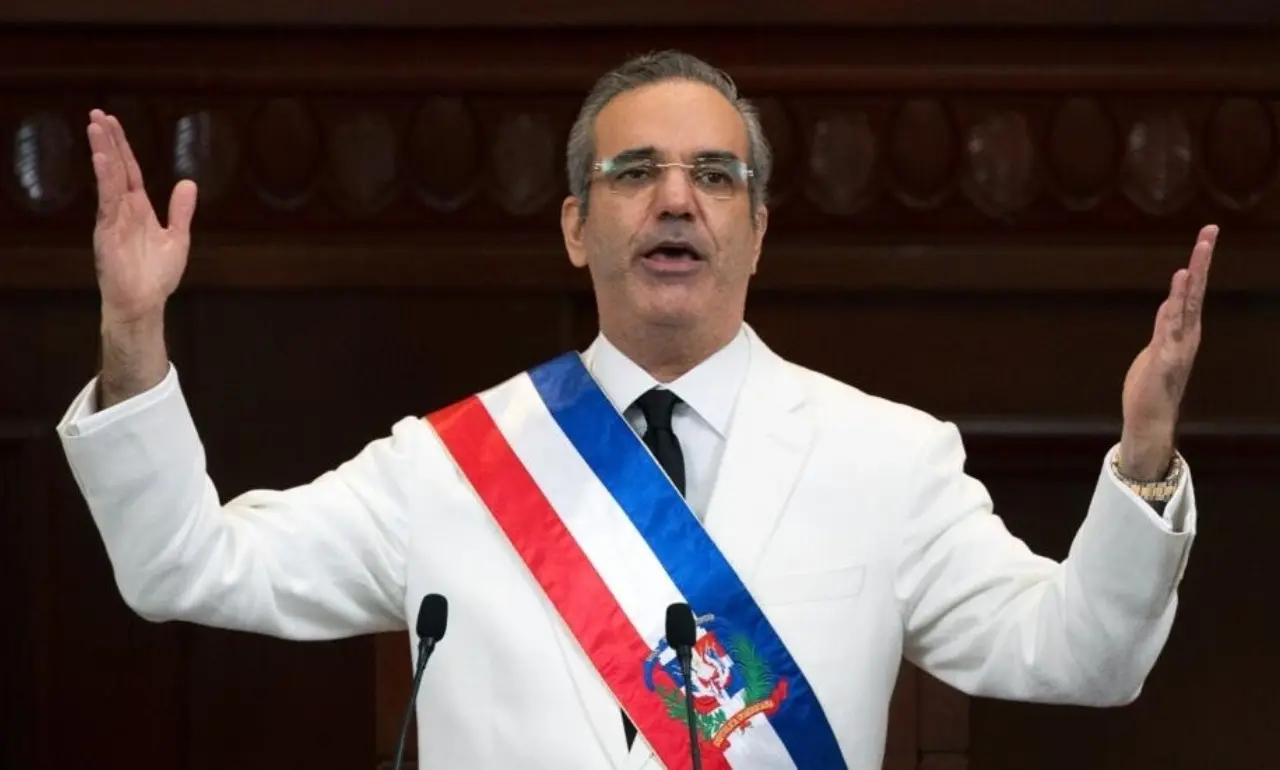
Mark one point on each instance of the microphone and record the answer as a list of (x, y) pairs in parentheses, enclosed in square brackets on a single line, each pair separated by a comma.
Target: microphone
[(682, 632), (433, 615)]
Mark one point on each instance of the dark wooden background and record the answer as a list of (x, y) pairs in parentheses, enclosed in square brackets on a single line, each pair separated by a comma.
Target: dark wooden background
[(976, 213)]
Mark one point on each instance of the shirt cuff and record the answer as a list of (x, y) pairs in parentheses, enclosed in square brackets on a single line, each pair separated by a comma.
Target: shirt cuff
[(83, 417), (1179, 514)]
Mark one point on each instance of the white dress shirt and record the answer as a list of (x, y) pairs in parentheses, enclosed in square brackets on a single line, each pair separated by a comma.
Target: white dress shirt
[(708, 392)]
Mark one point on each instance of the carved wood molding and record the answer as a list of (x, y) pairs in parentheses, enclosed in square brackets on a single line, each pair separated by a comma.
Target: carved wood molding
[(505, 13), (976, 158)]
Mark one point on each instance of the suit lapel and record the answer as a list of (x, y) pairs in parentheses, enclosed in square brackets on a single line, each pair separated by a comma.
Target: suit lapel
[(766, 450)]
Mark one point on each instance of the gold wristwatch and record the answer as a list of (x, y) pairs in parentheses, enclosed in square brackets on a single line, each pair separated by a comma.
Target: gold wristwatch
[(1158, 491)]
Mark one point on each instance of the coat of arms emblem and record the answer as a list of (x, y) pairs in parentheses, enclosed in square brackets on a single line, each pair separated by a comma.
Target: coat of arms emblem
[(731, 680)]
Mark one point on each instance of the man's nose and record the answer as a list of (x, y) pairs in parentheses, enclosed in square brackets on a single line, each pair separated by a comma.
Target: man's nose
[(673, 196)]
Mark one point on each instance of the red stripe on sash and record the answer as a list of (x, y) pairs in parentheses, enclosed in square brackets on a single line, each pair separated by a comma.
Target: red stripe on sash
[(566, 575)]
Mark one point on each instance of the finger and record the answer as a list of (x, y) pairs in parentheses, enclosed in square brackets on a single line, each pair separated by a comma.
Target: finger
[(1201, 259), (99, 134), (1169, 318), (182, 207), (107, 169), (133, 172)]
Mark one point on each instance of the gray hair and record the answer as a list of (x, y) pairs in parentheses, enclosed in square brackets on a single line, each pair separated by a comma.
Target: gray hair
[(655, 68)]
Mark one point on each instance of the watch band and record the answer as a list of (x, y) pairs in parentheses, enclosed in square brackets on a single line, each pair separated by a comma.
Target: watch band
[(1158, 491)]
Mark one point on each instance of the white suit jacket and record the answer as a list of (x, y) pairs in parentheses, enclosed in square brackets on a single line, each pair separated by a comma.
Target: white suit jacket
[(849, 517)]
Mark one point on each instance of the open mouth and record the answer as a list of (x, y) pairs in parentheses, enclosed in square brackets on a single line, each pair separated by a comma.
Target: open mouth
[(673, 252)]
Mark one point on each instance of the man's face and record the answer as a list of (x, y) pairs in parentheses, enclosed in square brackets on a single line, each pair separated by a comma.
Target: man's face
[(668, 246)]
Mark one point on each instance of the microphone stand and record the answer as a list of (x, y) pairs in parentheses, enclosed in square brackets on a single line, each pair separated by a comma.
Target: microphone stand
[(426, 646), (685, 653)]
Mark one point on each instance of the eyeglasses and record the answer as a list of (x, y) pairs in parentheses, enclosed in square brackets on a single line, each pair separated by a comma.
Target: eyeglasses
[(719, 178)]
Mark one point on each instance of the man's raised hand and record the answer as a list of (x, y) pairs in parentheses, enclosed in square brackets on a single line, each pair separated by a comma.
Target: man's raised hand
[(1156, 381), (139, 262)]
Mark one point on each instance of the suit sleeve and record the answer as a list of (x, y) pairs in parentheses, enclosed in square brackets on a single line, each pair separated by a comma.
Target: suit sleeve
[(986, 615), (323, 560)]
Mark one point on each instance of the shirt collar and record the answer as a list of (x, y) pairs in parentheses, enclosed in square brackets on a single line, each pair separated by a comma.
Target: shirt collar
[(710, 389)]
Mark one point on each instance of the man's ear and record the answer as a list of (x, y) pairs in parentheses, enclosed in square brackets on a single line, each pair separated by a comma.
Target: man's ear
[(572, 224), (761, 224)]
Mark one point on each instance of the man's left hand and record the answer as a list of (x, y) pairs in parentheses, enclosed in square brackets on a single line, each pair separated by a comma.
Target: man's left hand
[(1157, 379)]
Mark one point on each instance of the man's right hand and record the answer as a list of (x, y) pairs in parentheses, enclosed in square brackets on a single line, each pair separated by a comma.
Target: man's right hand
[(139, 263)]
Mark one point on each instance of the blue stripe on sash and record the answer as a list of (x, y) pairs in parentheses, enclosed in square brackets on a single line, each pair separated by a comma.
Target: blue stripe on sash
[(696, 566)]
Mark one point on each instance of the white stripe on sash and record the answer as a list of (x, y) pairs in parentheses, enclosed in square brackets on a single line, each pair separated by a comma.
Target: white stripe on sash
[(602, 529)]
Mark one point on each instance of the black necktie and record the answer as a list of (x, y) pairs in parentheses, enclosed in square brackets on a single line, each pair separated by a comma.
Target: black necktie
[(656, 406)]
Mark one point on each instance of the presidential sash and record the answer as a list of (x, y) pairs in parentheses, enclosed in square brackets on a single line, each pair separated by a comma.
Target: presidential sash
[(612, 544)]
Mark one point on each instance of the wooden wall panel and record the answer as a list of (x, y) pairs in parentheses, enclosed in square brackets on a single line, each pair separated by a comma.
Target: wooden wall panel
[(979, 223), (1211, 700), (79, 660), (1042, 357), (86, 683), (23, 543)]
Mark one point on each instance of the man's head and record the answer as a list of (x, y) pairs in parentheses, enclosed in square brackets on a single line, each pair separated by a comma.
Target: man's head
[(668, 171)]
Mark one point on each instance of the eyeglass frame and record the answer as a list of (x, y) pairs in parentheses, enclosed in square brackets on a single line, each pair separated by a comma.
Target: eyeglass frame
[(741, 171)]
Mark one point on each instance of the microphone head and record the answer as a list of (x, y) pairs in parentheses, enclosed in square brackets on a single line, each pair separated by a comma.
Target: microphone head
[(433, 616), (681, 629)]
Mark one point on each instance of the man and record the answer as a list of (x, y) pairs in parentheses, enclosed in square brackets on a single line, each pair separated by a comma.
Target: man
[(818, 533)]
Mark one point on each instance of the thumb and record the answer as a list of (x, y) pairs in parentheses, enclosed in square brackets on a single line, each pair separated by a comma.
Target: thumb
[(182, 207)]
